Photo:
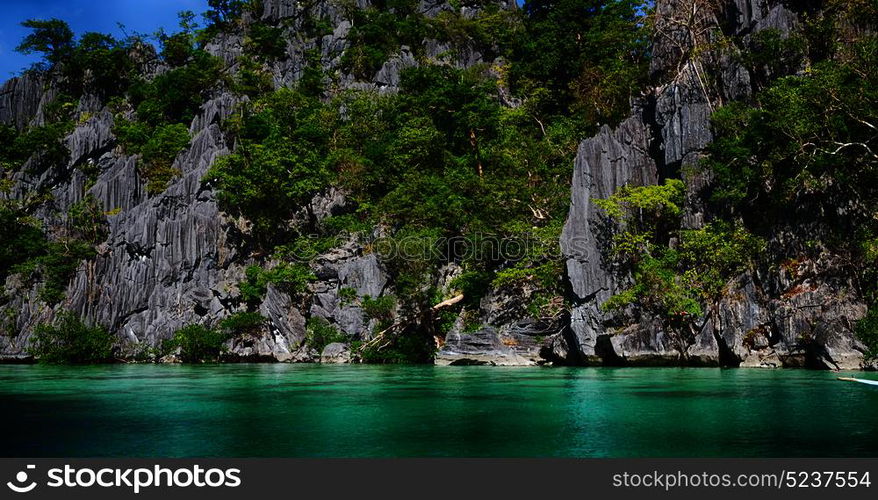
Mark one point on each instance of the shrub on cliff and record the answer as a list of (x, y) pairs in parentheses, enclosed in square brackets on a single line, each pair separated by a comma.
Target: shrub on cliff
[(377, 33), (71, 341), (867, 332), (380, 309), (293, 279), (25, 249), (319, 334), (673, 272), (22, 237), (197, 344), (281, 161), (243, 323)]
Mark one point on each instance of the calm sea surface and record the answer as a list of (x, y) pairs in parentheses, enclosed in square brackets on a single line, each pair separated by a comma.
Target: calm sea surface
[(370, 411)]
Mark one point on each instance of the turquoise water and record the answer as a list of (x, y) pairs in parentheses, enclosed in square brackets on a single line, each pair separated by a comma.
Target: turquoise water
[(366, 411)]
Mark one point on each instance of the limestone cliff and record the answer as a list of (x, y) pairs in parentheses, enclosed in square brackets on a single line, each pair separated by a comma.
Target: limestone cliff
[(174, 258), (801, 315)]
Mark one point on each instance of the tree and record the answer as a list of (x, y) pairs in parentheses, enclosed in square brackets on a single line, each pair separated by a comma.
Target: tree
[(867, 332), (809, 142), (280, 163), (587, 56), (178, 49), (71, 341), (22, 237), (222, 12), (99, 63), (646, 215), (86, 220), (52, 37), (197, 343)]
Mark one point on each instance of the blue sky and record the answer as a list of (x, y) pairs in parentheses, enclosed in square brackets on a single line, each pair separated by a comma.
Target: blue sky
[(142, 16)]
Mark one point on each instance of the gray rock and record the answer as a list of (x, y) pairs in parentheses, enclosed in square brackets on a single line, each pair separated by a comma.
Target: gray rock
[(487, 346), (388, 75), (160, 267), (20, 99), (275, 10), (344, 267), (604, 163), (781, 322), (287, 325), (90, 139), (336, 353), (683, 113), (305, 354)]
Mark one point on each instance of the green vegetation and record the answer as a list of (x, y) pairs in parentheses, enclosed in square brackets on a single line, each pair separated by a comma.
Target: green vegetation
[(347, 296), (158, 147), (165, 105), (319, 334), (55, 267), (674, 272), (71, 341), (806, 144), (267, 43), (408, 347), (243, 323), (25, 249), (197, 344), (380, 309), (223, 12), (43, 143), (200, 344), (867, 332), (97, 63), (378, 33), (281, 160), (441, 159), (177, 95), (52, 37), (446, 158), (22, 237), (101, 64), (645, 216), (290, 278), (581, 56), (800, 149)]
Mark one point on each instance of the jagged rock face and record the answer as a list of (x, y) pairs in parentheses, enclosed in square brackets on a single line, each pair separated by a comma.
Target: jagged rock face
[(20, 99), (165, 263), (506, 332), (155, 243), (170, 259), (517, 343), (765, 319), (174, 258), (293, 13), (348, 268), (604, 163), (800, 315)]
